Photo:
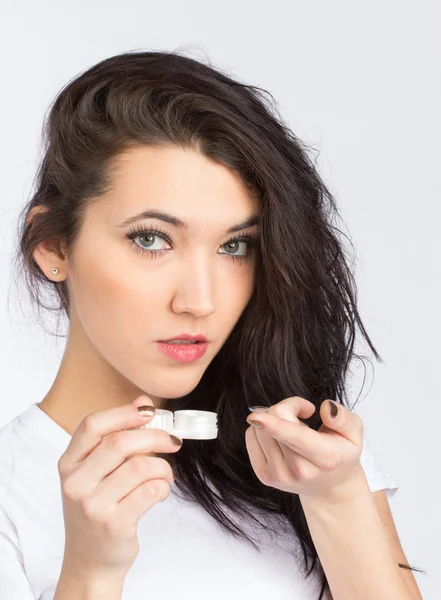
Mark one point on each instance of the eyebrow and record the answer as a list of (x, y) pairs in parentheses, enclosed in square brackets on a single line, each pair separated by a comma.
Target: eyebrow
[(155, 214)]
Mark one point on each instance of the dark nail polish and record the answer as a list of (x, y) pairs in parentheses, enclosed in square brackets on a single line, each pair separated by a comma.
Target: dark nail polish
[(333, 409), (146, 410), (176, 441)]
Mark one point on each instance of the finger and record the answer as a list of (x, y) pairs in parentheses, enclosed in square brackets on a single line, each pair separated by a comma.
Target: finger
[(276, 464), (297, 436), (113, 452), (293, 409), (270, 447), (256, 454), (94, 427), (278, 457), (345, 422), (128, 477)]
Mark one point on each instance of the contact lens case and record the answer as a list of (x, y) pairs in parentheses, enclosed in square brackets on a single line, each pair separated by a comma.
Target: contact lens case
[(186, 424)]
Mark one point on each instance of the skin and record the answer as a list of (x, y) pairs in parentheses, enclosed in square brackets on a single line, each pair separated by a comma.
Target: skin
[(123, 301)]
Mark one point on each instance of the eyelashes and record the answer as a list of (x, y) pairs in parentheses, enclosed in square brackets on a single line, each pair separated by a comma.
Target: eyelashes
[(253, 242)]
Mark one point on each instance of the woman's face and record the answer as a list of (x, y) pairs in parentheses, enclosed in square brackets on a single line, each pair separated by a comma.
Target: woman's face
[(126, 295)]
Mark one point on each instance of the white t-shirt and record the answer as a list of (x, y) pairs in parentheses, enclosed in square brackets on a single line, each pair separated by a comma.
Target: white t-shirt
[(184, 553)]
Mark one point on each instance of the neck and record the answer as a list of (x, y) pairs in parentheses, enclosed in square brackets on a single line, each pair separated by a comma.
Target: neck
[(86, 383)]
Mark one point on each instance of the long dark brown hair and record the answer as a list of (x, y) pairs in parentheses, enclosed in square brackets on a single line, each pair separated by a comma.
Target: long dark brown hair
[(296, 336)]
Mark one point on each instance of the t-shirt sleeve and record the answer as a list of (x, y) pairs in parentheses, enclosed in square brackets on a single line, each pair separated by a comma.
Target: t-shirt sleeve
[(377, 477), (14, 584)]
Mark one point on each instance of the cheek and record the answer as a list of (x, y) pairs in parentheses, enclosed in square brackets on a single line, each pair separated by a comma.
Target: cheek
[(121, 305), (241, 282), (235, 292), (116, 306)]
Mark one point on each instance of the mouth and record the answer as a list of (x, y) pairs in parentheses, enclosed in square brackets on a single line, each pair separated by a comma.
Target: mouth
[(183, 351), (179, 342), (186, 338)]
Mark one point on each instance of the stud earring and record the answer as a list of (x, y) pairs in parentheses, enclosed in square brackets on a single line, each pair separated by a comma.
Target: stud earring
[(55, 270)]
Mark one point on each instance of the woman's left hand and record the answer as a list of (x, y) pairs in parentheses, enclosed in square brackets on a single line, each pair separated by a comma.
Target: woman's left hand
[(290, 456)]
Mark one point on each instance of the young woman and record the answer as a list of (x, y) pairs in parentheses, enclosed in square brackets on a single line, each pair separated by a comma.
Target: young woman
[(173, 201)]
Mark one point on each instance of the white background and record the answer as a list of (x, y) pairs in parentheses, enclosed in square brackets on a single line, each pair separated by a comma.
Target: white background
[(361, 84)]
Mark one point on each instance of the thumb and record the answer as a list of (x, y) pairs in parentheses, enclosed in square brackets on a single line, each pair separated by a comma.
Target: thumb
[(337, 417), (142, 400)]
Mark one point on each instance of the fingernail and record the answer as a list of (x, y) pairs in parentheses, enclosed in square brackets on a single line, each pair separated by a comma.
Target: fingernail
[(254, 423), (176, 440), (146, 410), (258, 409), (333, 409)]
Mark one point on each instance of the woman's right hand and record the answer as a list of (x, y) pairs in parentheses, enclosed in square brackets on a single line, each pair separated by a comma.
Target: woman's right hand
[(108, 482)]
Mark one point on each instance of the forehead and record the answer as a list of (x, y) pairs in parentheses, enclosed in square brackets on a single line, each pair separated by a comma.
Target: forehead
[(181, 181)]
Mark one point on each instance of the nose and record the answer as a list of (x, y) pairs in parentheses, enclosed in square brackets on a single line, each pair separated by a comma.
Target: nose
[(195, 289)]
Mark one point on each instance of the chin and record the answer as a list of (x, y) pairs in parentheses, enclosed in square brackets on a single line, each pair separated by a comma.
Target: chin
[(177, 386)]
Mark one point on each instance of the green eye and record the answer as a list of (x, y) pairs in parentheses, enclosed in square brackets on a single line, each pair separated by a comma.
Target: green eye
[(252, 241)]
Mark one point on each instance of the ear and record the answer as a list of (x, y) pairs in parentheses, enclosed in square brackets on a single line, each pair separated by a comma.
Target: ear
[(48, 253)]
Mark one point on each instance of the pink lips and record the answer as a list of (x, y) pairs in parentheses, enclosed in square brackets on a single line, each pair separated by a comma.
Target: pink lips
[(183, 352)]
